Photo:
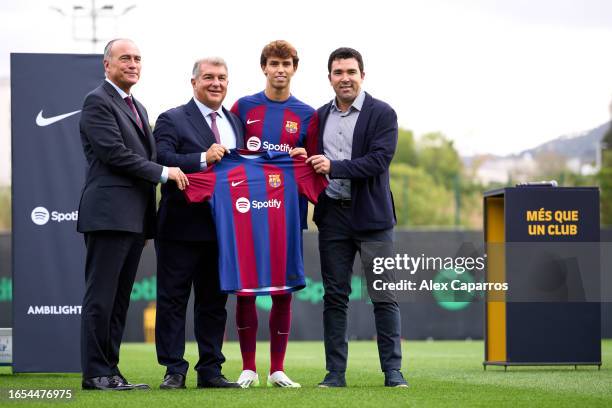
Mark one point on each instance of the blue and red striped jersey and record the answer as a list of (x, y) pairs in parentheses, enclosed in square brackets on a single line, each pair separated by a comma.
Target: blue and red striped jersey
[(277, 126), (254, 203)]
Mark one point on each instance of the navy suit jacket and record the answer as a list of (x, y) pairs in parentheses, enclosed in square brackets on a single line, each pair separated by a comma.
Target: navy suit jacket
[(181, 135), (119, 191), (374, 143)]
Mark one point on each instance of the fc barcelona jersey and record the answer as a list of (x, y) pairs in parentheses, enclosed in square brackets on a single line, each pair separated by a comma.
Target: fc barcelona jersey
[(255, 205), (278, 126)]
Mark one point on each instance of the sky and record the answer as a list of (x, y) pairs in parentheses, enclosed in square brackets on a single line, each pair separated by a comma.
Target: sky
[(496, 76)]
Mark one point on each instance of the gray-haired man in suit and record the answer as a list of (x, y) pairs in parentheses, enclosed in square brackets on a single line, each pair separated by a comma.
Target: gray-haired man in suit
[(117, 210)]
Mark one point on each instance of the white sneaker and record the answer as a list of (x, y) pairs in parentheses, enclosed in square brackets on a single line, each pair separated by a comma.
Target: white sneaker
[(280, 379), (248, 378)]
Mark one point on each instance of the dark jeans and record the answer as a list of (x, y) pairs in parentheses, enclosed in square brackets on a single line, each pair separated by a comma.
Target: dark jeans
[(338, 245)]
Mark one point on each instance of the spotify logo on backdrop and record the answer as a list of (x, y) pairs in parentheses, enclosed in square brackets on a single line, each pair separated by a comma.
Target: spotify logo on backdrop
[(40, 216)]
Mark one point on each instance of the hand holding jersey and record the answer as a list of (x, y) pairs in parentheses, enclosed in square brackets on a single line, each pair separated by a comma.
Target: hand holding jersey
[(320, 163), (298, 151), (215, 153)]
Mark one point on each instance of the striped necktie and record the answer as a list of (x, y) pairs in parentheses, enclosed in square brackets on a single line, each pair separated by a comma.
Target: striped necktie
[(128, 100), (213, 126)]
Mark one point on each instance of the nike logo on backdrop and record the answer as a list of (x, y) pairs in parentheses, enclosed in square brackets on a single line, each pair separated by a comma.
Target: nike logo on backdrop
[(235, 183), (249, 121), (42, 121)]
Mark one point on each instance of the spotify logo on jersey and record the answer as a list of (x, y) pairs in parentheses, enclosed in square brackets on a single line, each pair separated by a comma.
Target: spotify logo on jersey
[(253, 143), (243, 205)]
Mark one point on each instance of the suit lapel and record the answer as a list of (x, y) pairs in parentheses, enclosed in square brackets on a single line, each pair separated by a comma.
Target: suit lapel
[(198, 122), (360, 126), (124, 107), (322, 121), (146, 131), (119, 102), (237, 129)]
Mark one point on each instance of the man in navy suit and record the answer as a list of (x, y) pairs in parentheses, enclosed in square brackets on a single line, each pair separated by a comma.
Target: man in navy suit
[(192, 137), (117, 210), (357, 140)]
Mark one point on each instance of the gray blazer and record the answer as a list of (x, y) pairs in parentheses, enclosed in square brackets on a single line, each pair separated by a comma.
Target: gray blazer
[(119, 190)]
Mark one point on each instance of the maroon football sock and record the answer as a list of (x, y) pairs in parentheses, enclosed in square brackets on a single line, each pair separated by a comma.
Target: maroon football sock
[(246, 323), (280, 323)]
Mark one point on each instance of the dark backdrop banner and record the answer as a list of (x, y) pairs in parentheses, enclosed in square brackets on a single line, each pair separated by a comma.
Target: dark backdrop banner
[(47, 92), (420, 320)]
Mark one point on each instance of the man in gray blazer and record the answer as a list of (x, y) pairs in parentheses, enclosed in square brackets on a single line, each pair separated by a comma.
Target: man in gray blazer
[(117, 210)]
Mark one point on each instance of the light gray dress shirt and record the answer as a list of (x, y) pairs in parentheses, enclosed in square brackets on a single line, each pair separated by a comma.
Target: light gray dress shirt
[(338, 142)]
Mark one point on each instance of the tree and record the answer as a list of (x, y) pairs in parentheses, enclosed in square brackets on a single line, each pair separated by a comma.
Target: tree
[(605, 179), (406, 151), (419, 200), (439, 158)]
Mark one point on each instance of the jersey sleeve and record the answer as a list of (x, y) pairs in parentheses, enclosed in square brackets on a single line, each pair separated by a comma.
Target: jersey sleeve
[(201, 185), (235, 110), (310, 184), (312, 135)]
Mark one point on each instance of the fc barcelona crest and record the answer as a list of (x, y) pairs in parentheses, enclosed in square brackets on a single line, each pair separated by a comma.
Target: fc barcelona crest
[(274, 180), (291, 127)]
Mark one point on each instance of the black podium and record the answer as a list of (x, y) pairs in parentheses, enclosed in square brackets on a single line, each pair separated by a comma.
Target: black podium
[(543, 242)]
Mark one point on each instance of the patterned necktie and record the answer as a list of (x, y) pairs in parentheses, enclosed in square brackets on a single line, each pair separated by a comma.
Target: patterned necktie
[(213, 126), (128, 100)]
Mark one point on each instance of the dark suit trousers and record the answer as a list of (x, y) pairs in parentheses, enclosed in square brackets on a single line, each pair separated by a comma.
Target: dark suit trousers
[(110, 268), (181, 265), (338, 245)]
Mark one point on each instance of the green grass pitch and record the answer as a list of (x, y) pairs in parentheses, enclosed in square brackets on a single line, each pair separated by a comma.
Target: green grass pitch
[(440, 373)]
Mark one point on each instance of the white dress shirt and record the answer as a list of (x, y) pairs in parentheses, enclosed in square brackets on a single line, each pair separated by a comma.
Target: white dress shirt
[(226, 131)]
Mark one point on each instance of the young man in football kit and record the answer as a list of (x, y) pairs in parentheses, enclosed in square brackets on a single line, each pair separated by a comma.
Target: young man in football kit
[(274, 120)]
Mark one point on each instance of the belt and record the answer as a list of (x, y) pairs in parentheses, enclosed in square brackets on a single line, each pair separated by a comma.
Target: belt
[(342, 203)]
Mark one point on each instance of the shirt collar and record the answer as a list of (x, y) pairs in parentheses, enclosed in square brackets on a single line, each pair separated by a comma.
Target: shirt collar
[(357, 103), (206, 110), (121, 91)]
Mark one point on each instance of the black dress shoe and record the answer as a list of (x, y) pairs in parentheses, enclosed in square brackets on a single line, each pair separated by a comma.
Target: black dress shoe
[(217, 382), (394, 378), (104, 384), (173, 381), (122, 380), (333, 379)]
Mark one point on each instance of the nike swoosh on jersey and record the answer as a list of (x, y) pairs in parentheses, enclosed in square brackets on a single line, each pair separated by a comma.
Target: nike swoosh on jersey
[(42, 121), (249, 121), (235, 183)]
